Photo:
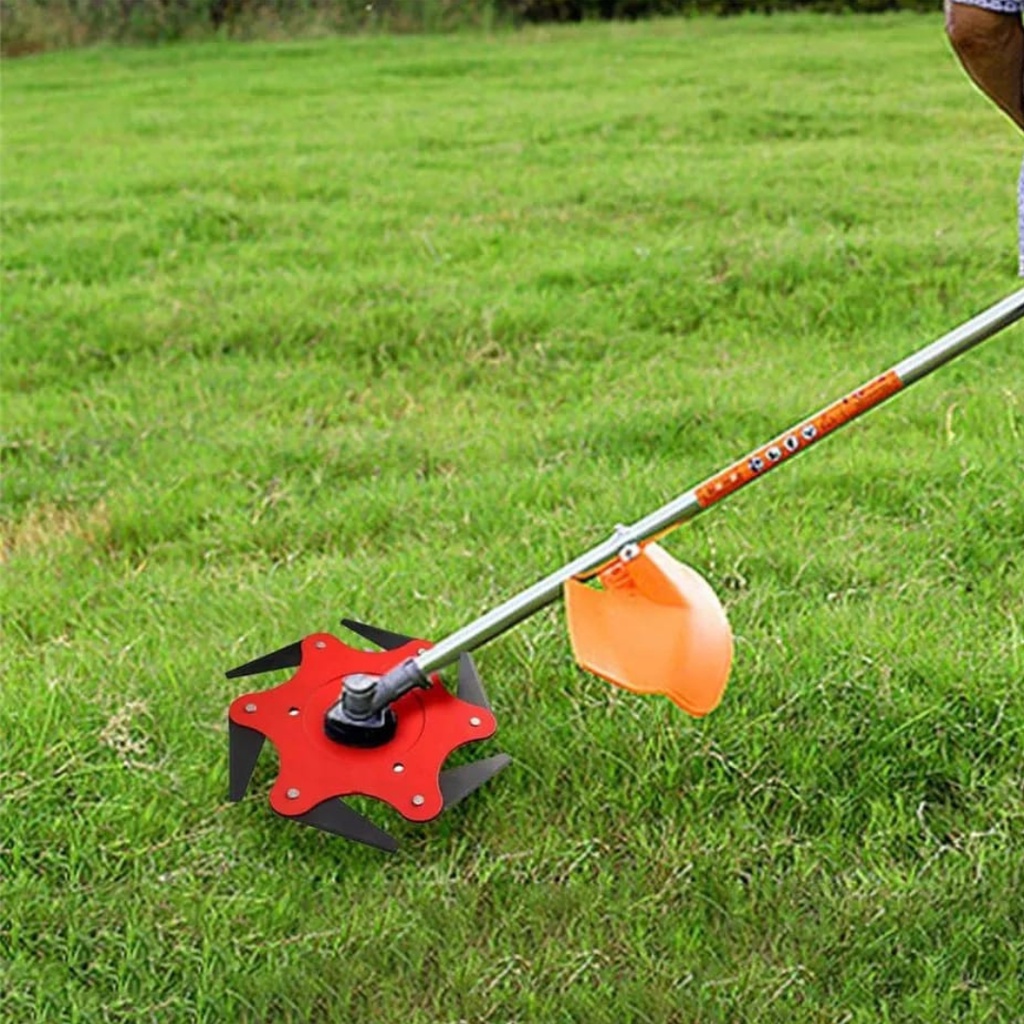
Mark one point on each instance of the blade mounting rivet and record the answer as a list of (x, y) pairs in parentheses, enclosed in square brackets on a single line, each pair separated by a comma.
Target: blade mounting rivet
[(292, 794), (250, 708), (474, 721), (398, 767), (418, 800), (320, 644), (293, 712)]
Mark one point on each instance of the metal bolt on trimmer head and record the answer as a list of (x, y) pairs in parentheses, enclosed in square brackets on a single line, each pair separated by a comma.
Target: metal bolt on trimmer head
[(382, 724)]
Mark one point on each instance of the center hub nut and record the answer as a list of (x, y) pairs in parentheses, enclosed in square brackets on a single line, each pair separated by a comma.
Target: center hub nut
[(353, 720)]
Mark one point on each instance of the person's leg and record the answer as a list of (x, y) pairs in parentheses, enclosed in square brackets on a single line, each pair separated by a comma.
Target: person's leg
[(1020, 222), (989, 40)]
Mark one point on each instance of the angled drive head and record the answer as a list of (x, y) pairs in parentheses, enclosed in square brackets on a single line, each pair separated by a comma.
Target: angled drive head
[(652, 625)]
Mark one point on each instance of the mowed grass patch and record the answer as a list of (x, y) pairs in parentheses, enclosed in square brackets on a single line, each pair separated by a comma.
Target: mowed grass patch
[(390, 328)]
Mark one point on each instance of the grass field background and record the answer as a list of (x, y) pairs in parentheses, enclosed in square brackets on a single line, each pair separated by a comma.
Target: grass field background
[(390, 328)]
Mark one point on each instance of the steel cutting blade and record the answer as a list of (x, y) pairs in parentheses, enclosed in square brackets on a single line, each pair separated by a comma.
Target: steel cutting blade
[(284, 657), (337, 817), (458, 783), (471, 688), (244, 746), (383, 638)]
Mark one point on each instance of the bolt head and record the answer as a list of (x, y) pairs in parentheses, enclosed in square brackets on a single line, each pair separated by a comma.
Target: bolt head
[(292, 794), (360, 683), (398, 767), (630, 552), (250, 708), (418, 800), (320, 644), (293, 712), (474, 721)]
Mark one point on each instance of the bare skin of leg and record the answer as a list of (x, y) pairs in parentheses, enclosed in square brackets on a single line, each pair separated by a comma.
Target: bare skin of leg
[(990, 46)]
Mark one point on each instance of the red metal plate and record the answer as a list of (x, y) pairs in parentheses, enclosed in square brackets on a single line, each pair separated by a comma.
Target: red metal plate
[(403, 772)]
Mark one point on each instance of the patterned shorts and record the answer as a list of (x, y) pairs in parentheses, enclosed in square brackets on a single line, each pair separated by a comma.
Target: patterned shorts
[(1002, 6)]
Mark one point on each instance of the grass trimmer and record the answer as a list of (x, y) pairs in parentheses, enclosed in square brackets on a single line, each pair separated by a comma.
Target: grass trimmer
[(381, 723)]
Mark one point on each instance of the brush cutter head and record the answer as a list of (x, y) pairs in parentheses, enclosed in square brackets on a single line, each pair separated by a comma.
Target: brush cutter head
[(397, 761), (652, 625)]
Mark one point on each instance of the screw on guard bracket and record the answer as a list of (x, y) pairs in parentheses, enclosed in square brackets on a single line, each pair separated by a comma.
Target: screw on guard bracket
[(401, 767)]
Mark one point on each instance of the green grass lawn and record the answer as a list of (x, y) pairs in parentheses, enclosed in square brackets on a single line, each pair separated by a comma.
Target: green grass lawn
[(392, 327)]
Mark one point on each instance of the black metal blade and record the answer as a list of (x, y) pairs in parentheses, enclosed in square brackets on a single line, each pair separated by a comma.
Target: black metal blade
[(286, 657), (244, 746), (336, 816), (471, 689), (458, 783), (381, 637)]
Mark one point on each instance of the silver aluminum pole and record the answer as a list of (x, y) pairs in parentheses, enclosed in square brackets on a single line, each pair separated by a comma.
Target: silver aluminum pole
[(689, 505)]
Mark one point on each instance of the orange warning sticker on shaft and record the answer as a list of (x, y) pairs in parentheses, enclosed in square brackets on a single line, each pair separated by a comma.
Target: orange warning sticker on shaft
[(796, 440)]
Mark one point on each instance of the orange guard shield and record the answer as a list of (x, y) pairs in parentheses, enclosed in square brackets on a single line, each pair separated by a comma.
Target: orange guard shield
[(653, 625)]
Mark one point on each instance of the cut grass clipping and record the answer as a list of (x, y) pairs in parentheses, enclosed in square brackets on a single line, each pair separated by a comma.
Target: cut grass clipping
[(388, 328)]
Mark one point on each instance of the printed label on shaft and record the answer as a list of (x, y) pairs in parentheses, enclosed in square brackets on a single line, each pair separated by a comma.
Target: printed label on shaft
[(797, 439)]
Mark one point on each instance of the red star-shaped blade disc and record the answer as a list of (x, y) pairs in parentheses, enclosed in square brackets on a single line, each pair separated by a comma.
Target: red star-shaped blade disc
[(404, 772)]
